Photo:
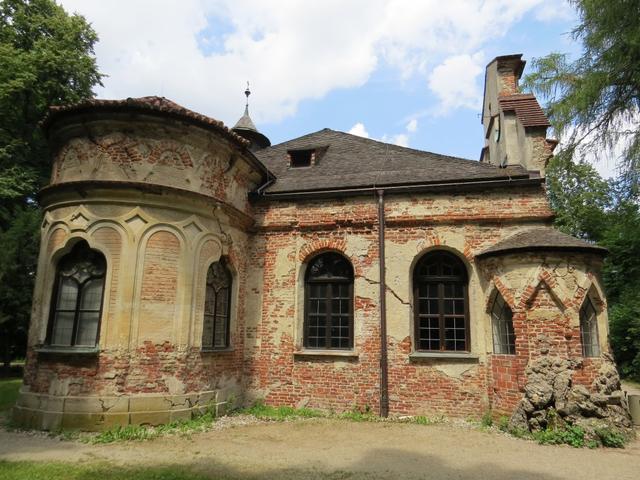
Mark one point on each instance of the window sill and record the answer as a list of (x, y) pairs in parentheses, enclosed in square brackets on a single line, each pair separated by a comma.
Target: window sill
[(444, 356), (84, 351), (217, 350), (348, 354)]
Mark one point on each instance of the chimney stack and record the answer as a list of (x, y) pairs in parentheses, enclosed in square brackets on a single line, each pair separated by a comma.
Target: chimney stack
[(515, 126)]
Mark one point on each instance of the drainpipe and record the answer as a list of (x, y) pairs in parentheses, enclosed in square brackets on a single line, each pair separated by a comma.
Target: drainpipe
[(384, 374)]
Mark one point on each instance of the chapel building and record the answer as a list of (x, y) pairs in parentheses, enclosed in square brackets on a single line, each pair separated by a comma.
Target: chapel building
[(187, 266)]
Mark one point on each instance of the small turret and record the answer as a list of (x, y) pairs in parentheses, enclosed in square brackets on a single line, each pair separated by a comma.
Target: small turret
[(247, 129)]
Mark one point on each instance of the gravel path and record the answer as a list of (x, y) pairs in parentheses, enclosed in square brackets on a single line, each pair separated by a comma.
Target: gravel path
[(326, 448)]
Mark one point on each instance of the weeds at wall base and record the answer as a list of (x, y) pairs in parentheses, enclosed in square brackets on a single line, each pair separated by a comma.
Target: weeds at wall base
[(573, 435)]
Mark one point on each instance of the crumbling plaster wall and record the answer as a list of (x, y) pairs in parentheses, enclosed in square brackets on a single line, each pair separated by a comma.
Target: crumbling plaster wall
[(158, 245), (281, 371), (545, 292), (154, 151)]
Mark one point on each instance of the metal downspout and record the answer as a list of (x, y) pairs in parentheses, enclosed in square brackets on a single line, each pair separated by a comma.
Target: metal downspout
[(384, 373)]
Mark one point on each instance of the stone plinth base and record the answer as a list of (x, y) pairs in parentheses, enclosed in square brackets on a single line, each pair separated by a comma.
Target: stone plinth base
[(95, 413)]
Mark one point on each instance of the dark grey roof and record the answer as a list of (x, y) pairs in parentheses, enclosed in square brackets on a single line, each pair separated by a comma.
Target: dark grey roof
[(245, 121), (542, 238), (349, 161)]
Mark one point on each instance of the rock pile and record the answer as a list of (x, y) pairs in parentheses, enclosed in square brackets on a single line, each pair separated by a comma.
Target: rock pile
[(550, 399)]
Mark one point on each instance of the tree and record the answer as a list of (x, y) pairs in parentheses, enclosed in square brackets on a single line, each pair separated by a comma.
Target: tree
[(46, 58), (597, 210), (594, 101), (579, 197)]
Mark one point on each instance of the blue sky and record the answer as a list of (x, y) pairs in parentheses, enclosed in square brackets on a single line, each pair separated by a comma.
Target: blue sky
[(386, 103), (403, 71)]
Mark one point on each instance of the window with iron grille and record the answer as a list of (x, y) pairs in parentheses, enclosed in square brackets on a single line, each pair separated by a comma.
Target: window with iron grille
[(329, 303), (589, 330), (76, 306), (441, 319), (504, 339), (217, 307)]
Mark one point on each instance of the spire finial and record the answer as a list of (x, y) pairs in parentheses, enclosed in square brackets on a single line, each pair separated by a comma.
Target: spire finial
[(247, 92)]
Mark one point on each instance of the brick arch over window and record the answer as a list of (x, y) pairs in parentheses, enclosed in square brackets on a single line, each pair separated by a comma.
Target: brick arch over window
[(312, 248), (77, 299), (441, 303), (328, 306)]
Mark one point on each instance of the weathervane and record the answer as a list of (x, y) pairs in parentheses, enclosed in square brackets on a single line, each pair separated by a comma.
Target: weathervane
[(247, 92)]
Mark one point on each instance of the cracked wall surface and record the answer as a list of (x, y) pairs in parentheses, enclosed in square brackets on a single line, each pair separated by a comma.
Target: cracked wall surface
[(281, 371), (149, 367), (158, 246)]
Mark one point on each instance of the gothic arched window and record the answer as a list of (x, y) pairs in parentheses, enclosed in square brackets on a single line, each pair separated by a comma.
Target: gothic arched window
[(329, 302), (504, 339), (76, 306), (217, 307), (589, 330), (441, 318)]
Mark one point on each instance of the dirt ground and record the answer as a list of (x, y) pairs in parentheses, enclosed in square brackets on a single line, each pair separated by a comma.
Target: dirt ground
[(338, 449)]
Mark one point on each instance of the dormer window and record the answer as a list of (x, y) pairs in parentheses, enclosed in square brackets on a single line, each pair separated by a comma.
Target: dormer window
[(301, 158)]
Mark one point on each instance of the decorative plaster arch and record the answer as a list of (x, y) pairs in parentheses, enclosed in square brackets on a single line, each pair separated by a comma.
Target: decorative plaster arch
[(559, 294), (497, 286)]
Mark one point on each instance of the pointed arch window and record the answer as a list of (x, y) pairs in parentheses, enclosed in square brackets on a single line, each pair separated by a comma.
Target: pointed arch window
[(217, 307), (329, 303), (589, 329), (76, 307), (504, 339), (441, 320)]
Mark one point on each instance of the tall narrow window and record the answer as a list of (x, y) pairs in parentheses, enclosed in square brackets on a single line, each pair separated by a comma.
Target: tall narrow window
[(441, 319), (76, 306), (504, 339), (217, 307), (589, 330), (329, 303)]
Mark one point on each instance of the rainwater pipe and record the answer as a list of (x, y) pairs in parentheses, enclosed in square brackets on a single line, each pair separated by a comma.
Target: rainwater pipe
[(384, 363)]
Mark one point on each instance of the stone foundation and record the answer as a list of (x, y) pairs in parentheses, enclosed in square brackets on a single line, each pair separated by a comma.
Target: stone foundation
[(51, 412)]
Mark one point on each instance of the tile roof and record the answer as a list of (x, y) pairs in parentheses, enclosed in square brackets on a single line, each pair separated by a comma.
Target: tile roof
[(527, 109), (150, 104), (349, 161), (542, 238)]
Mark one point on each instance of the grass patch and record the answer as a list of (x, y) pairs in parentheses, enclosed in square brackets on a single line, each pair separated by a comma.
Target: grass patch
[(611, 438), (266, 412), (200, 423), (573, 435), (487, 419), (9, 388), (66, 471), (360, 415)]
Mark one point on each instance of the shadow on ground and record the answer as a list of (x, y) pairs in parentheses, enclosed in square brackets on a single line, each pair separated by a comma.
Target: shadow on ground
[(372, 467)]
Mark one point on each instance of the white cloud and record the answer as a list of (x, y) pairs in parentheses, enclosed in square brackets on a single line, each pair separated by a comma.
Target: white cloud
[(289, 50), (401, 139), (552, 11), (606, 156), (455, 82), (360, 130)]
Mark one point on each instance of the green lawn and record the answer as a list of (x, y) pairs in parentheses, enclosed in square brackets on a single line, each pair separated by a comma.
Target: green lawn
[(9, 388), (67, 471)]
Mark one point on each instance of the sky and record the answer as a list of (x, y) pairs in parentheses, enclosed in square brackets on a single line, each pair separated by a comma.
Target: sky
[(408, 72)]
